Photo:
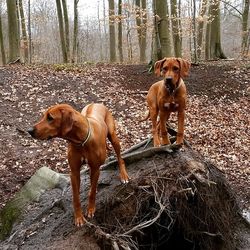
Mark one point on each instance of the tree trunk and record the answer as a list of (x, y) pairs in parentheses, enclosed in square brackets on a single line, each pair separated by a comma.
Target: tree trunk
[(14, 52), (100, 32), (66, 25), (214, 35), (245, 30), (175, 29), (112, 43), (174, 200), (128, 36), (29, 31), (200, 28), (75, 35), (141, 23), (105, 32), (61, 30), (120, 31), (2, 43), (161, 7), (24, 38), (194, 33)]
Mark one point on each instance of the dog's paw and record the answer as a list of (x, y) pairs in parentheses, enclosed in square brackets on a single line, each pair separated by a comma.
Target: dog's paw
[(91, 212), (79, 221), (124, 178), (124, 181)]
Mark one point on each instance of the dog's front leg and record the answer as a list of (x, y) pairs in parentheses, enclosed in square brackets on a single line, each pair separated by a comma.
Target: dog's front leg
[(180, 134), (94, 176), (75, 183), (153, 116), (164, 115), (75, 165)]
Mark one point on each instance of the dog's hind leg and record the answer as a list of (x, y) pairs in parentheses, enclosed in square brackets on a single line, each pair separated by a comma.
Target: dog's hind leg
[(112, 136), (94, 176)]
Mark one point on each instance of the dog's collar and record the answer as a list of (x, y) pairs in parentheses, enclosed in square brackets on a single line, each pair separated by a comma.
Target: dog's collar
[(88, 135)]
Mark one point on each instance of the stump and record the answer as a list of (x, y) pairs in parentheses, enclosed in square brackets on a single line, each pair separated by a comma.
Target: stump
[(174, 200)]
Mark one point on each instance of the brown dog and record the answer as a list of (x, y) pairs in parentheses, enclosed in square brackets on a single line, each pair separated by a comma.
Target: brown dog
[(166, 96), (86, 132)]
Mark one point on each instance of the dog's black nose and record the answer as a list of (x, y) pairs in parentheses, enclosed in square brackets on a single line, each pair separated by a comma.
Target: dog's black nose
[(31, 131)]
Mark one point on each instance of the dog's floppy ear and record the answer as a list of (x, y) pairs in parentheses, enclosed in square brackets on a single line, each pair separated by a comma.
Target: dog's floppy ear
[(67, 121), (185, 66), (158, 66)]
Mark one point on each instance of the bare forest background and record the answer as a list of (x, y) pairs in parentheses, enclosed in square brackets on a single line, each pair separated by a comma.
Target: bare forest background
[(130, 31)]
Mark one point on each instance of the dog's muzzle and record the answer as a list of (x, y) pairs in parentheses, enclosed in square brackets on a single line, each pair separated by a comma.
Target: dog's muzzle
[(168, 81), (32, 131)]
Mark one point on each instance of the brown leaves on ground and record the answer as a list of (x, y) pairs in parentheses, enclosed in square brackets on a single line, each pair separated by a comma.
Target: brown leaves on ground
[(217, 116)]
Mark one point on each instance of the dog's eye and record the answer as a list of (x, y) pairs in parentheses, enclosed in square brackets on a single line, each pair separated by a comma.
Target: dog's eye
[(175, 68), (165, 69), (49, 117)]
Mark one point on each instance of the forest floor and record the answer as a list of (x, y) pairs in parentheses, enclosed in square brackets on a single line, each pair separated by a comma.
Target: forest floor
[(217, 115)]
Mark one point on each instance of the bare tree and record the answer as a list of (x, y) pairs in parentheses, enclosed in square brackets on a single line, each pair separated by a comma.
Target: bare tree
[(66, 26), (141, 23), (200, 27), (112, 43), (61, 29), (100, 31), (14, 52), (29, 32), (194, 29), (128, 35), (75, 32), (120, 30), (24, 37), (162, 29), (176, 29), (245, 29), (2, 42), (213, 36)]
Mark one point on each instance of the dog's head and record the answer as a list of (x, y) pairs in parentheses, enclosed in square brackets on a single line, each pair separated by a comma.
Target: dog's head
[(57, 121), (172, 69)]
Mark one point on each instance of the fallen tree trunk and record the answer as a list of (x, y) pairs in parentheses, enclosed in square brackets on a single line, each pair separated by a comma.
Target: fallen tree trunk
[(175, 200)]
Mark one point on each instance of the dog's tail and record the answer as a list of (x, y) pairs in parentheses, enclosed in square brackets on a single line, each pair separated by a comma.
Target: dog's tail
[(146, 117)]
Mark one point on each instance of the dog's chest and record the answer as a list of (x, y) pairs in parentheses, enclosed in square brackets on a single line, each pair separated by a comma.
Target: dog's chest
[(172, 106), (168, 104)]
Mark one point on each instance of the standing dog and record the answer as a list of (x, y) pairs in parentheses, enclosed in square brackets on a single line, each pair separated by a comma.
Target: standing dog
[(86, 132), (166, 96)]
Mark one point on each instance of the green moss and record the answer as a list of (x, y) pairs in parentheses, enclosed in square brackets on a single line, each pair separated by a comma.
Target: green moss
[(8, 215)]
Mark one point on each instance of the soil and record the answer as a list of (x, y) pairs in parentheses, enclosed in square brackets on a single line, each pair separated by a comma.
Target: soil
[(217, 119)]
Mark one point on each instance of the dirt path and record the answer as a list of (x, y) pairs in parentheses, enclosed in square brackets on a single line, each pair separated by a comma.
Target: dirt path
[(217, 120)]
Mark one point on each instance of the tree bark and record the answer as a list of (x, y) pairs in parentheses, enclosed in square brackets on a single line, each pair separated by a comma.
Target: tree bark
[(112, 43), (194, 33), (175, 29), (14, 52), (75, 35), (141, 23), (2, 43), (100, 32), (163, 29), (245, 30), (128, 36), (172, 194), (29, 31), (24, 38), (213, 29), (66, 25), (200, 28), (120, 47), (61, 30)]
